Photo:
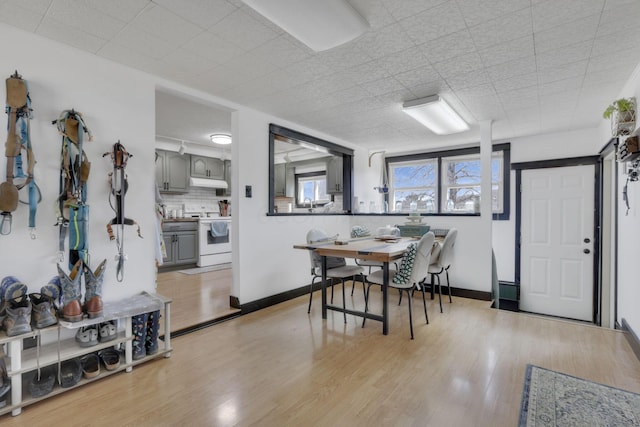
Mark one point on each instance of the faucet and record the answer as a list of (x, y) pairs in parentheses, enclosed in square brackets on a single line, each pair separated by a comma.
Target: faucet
[(310, 203)]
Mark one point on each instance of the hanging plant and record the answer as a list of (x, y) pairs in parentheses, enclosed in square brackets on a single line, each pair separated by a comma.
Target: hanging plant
[(622, 113)]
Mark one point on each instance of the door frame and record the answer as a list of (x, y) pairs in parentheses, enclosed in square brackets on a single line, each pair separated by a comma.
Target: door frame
[(556, 163)]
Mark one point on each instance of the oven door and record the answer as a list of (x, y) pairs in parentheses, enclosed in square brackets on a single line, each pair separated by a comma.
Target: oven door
[(214, 242)]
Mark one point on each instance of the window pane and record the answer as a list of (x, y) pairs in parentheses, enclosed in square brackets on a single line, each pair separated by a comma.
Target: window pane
[(425, 199), (418, 175), (414, 182), (462, 199), (462, 171)]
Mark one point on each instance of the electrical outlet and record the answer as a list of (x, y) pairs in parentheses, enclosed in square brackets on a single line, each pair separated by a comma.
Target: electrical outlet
[(247, 191)]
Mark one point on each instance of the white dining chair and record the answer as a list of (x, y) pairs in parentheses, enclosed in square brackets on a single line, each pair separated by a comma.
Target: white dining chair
[(412, 270), (442, 262), (337, 267)]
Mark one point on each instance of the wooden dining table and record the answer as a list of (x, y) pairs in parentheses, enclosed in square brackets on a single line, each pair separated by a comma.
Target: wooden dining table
[(368, 248)]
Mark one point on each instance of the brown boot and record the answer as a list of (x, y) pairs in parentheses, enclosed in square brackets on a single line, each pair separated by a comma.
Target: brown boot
[(71, 287), (93, 290)]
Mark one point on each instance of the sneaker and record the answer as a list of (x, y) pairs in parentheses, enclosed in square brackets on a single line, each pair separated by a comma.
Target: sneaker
[(87, 336), (10, 288), (108, 331), (43, 313), (18, 319), (70, 372)]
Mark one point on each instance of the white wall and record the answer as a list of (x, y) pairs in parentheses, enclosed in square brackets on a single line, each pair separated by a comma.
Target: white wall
[(117, 104), (628, 232)]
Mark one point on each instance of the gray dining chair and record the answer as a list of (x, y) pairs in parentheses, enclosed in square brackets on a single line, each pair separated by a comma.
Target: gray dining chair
[(337, 267), (442, 262), (412, 271)]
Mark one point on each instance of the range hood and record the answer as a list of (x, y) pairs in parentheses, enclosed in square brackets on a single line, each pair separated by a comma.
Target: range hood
[(208, 183)]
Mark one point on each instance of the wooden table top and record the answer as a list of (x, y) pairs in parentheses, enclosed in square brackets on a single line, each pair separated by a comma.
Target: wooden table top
[(368, 248)]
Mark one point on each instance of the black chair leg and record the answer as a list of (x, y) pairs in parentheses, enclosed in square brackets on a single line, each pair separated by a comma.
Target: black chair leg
[(410, 315), (424, 302), (448, 284), (366, 303), (432, 286), (311, 294), (332, 284), (400, 300), (344, 302), (440, 293)]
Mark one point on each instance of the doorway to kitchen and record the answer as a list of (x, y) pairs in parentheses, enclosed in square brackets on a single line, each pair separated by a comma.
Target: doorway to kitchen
[(194, 194)]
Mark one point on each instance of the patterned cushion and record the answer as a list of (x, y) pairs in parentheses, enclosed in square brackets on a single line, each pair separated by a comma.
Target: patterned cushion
[(403, 275), (360, 231)]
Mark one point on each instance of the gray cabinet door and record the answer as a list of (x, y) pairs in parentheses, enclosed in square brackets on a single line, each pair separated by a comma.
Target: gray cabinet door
[(226, 192), (186, 247), (207, 167), (334, 175), (172, 172), (168, 244), (280, 180)]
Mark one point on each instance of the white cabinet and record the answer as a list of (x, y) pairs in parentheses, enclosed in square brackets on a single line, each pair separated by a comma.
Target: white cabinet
[(207, 167), (59, 345), (334, 175), (172, 172)]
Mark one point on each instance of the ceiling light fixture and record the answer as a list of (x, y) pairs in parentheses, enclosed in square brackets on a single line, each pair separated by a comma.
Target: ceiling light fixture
[(436, 114), (321, 25), (220, 138)]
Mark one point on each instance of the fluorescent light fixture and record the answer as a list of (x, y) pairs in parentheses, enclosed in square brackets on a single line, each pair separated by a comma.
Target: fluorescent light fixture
[(436, 114), (220, 138), (320, 24)]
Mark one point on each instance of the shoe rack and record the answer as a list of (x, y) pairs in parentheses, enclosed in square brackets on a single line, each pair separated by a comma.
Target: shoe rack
[(22, 361)]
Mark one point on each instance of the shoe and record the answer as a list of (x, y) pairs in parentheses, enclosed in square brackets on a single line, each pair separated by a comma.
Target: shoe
[(90, 365), (43, 381), (70, 372), (71, 287), (87, 336), (93, 290), (53, 290), (139, 326), (107, 331), (43, 313), (10, 288), (5, 382), (153, 326), (110, 357), (18, 319)]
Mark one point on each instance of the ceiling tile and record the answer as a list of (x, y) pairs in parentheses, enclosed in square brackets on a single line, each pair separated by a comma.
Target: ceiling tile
[(478, 11), (79, 15), (203, 13), (194, 64), (72, 36), (509, 69), (463, 81), (620, 41), (570, 33), (564, 55), (212, 47), (449, 46), (517, 82), (12, 13), (307, 69), (406, 60), (554, 13), (374, 12), (508, 51), (342, 57), (382, 86), (250, 65), (570, 84), (572, 70), (434, 23), (385, 41), (405, 8), (505, 28), (125, 55), (459, 65), (165, 25), (123, 10), (417, 76), (623, 58), (280, 51), (424, 89), (241, 29)]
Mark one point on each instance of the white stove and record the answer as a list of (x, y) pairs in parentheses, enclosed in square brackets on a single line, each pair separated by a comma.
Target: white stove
[(214, 234)]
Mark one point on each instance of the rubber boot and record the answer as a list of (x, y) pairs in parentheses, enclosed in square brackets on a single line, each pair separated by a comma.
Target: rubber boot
[(139, 325), (153, 325), (93, 290), (71, 288)]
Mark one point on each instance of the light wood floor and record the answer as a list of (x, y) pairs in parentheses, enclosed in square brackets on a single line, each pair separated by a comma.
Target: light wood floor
[(283, 367), (196, 298)]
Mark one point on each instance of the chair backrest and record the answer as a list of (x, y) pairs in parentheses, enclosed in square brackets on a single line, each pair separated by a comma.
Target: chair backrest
[(415, 263), (423, 257), (316, 235), (446, 253)]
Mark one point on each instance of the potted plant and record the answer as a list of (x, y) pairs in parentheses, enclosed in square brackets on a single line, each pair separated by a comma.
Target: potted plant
[(622, 113)]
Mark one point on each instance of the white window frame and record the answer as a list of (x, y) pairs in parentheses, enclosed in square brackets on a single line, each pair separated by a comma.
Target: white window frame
[(393, 189)]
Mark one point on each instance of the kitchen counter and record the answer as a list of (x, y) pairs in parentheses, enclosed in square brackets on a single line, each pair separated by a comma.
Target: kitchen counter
[(180, 220)]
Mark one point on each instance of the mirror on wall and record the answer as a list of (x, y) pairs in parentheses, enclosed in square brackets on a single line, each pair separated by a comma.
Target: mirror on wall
[(307, 175)]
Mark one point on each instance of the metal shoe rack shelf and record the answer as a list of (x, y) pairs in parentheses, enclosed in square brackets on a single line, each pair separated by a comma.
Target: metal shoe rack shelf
[(22, 361)]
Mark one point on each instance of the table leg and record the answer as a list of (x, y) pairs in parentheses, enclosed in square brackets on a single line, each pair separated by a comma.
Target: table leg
[(385, 298), (324, 287)]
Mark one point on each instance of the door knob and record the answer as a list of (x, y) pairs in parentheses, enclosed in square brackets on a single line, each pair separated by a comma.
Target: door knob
[(587, 240), (586, 251)]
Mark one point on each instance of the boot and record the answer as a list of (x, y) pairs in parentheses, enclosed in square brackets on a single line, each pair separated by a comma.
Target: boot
[(43, 311), (71, 288), (153, 325), (5, 383), (10, 288), (18, 320), (93, 290), (139, 325), (53, 290)]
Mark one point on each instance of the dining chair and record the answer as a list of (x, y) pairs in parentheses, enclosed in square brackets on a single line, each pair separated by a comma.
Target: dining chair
[(413, 268), (337, 267), (442, 262)]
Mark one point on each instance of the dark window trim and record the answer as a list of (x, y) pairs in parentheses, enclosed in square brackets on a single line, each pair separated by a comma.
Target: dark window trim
[(506, 174), (289, 133), (307, 175)]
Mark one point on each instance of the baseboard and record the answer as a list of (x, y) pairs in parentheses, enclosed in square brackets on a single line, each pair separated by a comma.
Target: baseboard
[(634, 342)]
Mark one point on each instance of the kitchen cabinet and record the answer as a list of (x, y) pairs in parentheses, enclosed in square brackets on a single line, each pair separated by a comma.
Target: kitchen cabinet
[(58, 344), (181, 242), (280, 178), (172, 172), (207, 167), (334, 175), (227, 177)]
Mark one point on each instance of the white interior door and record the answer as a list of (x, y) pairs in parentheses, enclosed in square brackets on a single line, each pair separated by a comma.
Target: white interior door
[(556, 258)]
